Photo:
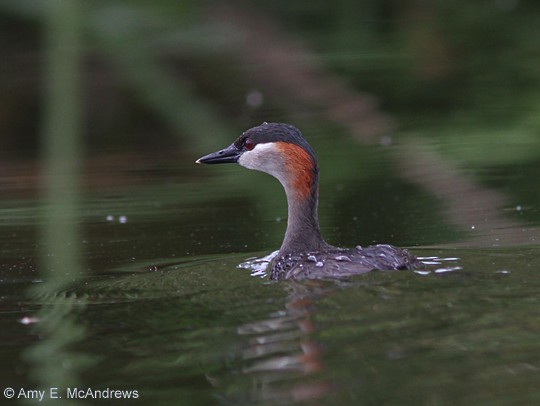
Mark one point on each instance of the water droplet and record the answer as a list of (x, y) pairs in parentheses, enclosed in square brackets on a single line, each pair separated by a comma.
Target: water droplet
[(312, 258), (258, 266), (122, 219), (343, 258), (110, 217), (451, 269), (319, 264), (29, 320)]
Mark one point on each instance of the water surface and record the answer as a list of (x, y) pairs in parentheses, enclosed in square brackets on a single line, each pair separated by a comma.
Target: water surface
[(162, 307)]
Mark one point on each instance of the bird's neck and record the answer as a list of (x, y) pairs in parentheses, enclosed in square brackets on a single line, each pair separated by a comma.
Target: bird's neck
[(303, 232)]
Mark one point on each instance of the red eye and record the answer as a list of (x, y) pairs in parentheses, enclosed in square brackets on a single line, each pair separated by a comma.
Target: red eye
[(249, 144)]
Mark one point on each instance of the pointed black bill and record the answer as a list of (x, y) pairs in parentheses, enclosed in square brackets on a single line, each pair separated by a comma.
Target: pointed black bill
[(225, 156)]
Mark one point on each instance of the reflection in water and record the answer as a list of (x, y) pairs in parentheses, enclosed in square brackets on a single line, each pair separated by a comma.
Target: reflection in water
[(281, 349), (52, 361), (282, 356), (53, 364)]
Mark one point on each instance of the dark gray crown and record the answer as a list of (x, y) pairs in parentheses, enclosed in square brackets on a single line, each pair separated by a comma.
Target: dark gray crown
[(275, 132)]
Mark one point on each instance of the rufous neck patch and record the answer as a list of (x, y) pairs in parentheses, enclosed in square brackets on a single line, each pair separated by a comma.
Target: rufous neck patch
[(300, 165)]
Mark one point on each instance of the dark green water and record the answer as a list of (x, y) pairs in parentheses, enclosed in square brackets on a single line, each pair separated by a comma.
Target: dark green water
[(162, 308), (123, 283)]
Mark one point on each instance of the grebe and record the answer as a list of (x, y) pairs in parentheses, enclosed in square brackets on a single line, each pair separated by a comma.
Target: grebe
[(281, 151)]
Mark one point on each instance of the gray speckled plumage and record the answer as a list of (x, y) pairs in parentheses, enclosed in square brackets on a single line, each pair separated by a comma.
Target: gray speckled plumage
[(342, 262)]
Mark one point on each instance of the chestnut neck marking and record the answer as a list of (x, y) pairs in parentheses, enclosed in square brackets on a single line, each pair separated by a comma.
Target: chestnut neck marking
[(299, 164)]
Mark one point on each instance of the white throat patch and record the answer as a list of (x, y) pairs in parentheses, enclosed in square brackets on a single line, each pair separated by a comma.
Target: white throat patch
[(265, 157)]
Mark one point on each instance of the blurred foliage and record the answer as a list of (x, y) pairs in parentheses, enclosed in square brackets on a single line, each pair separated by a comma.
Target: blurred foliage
[(462, 66), (127, 76), (463, 73), (462, 76), (428, 56)]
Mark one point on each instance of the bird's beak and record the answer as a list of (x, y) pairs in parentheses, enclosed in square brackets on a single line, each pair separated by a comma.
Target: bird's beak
[(225, 156)]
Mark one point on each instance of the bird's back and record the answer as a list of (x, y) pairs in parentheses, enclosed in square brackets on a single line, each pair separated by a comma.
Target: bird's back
[(339, 262)]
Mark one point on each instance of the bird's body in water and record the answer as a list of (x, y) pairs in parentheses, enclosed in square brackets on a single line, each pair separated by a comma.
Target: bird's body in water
[(281, 151)]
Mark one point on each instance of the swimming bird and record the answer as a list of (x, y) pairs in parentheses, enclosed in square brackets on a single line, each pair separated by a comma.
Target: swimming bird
[(282, 151)]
